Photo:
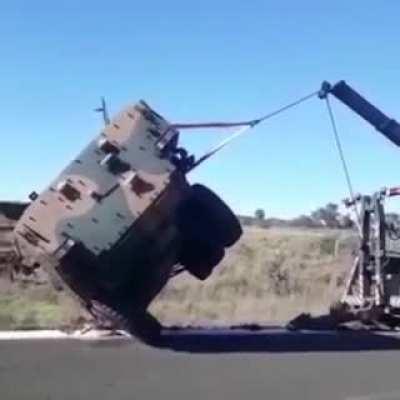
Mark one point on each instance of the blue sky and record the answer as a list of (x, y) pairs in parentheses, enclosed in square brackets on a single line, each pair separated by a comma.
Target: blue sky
[(203, 60)]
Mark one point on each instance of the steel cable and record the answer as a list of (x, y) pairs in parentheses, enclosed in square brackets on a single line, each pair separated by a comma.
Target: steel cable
[(251, 124), (343, 161)]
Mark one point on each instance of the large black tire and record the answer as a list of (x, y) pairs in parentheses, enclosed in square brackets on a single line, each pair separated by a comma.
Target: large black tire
[(200, 257), (205, 215)]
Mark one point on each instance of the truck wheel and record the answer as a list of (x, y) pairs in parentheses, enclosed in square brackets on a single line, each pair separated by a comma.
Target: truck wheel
[(204, 214), (200, 258)]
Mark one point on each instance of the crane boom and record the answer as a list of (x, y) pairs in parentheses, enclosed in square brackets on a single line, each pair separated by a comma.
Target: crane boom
[(352, 99)]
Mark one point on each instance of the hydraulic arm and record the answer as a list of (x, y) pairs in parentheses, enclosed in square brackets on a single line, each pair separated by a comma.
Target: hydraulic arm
[(352, 99)]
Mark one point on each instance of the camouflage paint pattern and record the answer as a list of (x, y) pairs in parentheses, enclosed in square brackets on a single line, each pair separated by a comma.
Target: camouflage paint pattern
[(99, 196)]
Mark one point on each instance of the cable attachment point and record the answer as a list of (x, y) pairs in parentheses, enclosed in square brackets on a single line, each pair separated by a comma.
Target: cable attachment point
[(326, 88), (252, 124)]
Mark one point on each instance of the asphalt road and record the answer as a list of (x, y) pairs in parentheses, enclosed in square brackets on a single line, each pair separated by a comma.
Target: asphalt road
[(195, 365)]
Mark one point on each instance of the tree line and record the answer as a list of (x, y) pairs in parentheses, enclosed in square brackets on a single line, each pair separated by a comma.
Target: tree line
[(327, 216)]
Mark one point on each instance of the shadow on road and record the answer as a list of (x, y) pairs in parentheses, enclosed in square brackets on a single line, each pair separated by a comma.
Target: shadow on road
[(276, 341)]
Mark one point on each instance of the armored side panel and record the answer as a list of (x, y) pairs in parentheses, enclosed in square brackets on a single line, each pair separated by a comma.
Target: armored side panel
[(100, 195)]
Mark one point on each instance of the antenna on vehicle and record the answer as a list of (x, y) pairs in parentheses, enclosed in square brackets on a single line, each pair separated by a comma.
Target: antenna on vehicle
[(103, 110)]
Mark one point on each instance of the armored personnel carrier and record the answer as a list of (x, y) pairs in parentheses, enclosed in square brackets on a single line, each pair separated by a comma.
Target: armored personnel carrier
[(121, 219)]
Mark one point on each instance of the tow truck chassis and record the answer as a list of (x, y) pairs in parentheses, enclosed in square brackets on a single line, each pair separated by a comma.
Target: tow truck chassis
[(372, 291)]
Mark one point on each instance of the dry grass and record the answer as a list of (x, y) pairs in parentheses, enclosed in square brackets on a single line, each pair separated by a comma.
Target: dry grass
[(269, 276), (38, 307)]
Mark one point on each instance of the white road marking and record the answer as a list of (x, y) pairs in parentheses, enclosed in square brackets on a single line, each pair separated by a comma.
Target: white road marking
[(55, 334)]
